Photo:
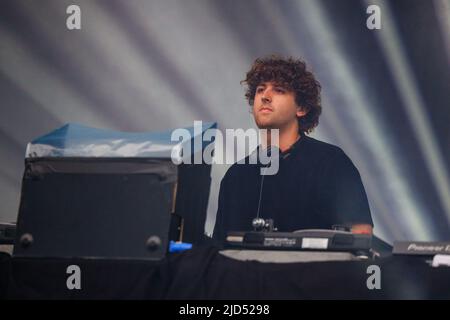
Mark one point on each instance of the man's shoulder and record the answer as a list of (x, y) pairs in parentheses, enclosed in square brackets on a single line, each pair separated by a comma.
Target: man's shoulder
[(329, 157), (319, 153), (322, 149)]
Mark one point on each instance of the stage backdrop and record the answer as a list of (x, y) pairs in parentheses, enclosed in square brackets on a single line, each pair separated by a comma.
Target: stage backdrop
[(153, 65)]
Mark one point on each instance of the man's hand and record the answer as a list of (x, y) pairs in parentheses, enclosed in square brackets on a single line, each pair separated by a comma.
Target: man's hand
[(362, 229)]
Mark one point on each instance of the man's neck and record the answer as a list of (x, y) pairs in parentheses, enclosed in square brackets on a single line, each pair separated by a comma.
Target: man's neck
[(287, 138)]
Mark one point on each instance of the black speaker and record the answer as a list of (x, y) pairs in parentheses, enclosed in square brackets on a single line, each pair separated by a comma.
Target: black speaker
[(95, 209)]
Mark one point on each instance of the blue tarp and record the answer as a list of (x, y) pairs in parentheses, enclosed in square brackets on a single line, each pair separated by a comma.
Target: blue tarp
[(75, 140)]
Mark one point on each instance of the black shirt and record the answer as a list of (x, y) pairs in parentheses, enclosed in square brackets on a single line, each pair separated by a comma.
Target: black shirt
[(317, 186)]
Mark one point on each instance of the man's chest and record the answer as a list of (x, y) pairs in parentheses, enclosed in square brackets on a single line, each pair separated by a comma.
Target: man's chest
[(293, 188)]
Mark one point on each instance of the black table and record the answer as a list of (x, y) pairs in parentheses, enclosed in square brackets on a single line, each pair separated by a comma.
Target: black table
[(203, 273)]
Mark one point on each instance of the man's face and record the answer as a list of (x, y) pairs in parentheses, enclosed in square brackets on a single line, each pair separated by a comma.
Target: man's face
[(274, 107)]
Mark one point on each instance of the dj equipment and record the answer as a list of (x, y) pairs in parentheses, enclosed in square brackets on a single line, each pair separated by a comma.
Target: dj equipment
[(421, 248), (95, 193), (325, 240), (85, 208)]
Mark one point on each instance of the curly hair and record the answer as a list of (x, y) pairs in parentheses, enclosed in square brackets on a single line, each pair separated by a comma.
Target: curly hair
[(292, 75)]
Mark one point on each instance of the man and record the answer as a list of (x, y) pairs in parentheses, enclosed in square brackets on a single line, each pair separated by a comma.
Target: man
[(317, 186)]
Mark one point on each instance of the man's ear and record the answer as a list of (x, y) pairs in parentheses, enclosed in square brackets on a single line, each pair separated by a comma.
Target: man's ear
[(301, 112)]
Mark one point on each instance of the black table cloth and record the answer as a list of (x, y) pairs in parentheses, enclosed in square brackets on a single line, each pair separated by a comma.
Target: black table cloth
[(203, 273)]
